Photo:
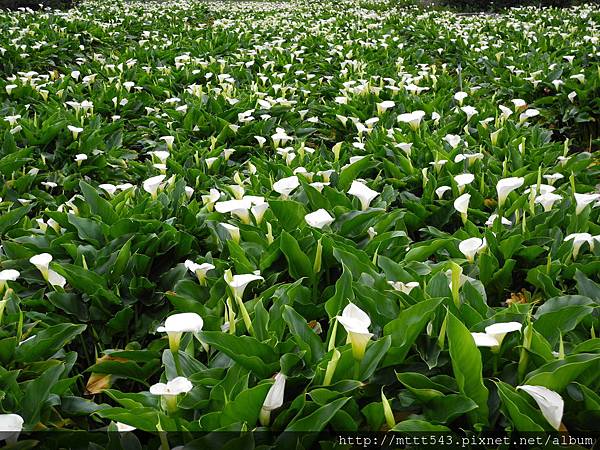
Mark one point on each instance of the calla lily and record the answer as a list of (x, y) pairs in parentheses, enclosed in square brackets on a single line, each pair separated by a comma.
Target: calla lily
[(42, 262), (177, 324), (494, 334), (258, 211), (319, 219), (453, 140), (470, 247), (356, 322), (469, 111), (123, 427), (364, 193), (461, 204), (505, 186), (550, 403), (492, 219), (238, 208), (169, 141), (170, 390), (582, 200), (8, 275), (238, 283), (10, 427), (151, 185), (442, 190), (460, 97), (233, 231), (413, 119), (547, 200), (199, 270), (404, 287), (463, 180), (75, 131), (578, 240), (384, 106), (209, 200), (285, 186), (273, 400)]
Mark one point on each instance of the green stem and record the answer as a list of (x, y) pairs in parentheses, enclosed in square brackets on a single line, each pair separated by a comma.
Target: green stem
[(356, 369), (164, 443)]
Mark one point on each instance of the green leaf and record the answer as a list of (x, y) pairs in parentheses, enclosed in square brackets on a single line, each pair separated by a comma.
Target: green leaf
[(467, 367), (304, 336), (298, 262), (374, 354), (343, 293), (405, 329), (37, 392), (556, 375), (520, 412), (245, 350), (317, 420), (350, 173), (10, 218), (246, 406), (419, 426), (289, 213), (47, 342), (97, 204)]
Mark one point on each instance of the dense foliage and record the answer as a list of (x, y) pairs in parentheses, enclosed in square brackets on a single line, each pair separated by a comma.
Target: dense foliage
[(372, 217), (494, 5)]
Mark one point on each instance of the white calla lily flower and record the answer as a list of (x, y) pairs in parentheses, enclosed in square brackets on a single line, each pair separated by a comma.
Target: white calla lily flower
[(177, 324), (199, 270), (364, 193), (285, 186), (238, 283), (413, 119), (578, 240), (356, 323), (494, 334), (11, 426), (471, 247), (550, 403), (461, 204), (152, 185), (547, 200), (505, 186), (319, 219), (273, 400), (170, 390), (442, 190), (8, 275), (463, 180), (582, 200)]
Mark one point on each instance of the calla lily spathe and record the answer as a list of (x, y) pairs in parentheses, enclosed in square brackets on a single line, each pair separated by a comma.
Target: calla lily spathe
[(461, 204), (8, 275), (319, 219), (357, 323), (494, 334), (505, 186), (199, 270), (151, 185), (471, 247), (273, 400), (363, 192), (170, 390), (550, 403), (238, 283), (285, 186), (177, 324), (42, 262), (11, 426), (579, 239), (582, 200)]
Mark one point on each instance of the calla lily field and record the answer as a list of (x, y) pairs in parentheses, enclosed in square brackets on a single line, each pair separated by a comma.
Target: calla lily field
[(349, 216)]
